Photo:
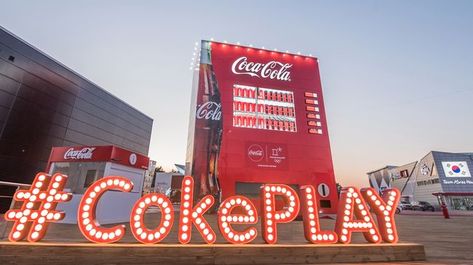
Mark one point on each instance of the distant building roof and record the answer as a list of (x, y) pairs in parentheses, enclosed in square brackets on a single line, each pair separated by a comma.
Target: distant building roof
[(180, 168), (386, 167), (453, 153)]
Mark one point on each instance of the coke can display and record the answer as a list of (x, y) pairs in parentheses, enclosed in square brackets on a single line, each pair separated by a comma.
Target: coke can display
[(258, 116)]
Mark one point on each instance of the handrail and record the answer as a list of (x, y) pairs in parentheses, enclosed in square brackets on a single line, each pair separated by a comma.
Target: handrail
[(14, 184), (11, 184)]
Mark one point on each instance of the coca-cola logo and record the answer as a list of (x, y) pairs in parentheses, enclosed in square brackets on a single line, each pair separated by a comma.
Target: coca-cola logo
[(132, 159), (84, 153), (255, 152), (210, 111), (272, 70)]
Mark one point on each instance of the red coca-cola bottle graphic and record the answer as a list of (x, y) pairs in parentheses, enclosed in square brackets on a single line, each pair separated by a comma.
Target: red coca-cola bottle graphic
[(208, 128)]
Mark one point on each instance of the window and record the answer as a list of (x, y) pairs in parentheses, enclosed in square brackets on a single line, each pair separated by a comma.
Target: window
[(404, 173), (251, 190), (428, 182), (81, 174), (153, 180), (325, 204), (90, 177)]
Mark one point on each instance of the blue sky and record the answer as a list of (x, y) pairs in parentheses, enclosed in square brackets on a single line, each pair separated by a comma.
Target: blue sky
[(397, 75)]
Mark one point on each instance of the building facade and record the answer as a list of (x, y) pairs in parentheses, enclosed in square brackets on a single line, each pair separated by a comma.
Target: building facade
[(44, 104), (400, 180), (380, 179), (438, 177)]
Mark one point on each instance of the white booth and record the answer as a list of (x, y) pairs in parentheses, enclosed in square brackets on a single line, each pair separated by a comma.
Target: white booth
[(85, 164)]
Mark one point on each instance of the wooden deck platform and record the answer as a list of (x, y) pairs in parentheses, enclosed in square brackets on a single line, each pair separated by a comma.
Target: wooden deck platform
[(123, 253)]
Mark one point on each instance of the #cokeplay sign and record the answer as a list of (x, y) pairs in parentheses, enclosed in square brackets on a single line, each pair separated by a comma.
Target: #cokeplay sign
[(357, 210)]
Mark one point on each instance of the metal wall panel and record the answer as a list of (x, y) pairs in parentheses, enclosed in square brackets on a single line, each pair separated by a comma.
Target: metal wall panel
[(44, 104)]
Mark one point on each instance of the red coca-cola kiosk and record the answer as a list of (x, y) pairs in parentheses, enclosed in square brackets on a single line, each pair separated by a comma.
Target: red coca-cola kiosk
[(85, 164), (258, 116)]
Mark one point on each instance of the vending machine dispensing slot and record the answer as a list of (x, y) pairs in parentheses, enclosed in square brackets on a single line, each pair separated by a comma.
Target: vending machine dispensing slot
[(263, 108)]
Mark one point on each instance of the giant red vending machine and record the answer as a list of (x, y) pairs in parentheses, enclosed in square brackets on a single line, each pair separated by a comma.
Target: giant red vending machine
[(86, 164), (258, 116)]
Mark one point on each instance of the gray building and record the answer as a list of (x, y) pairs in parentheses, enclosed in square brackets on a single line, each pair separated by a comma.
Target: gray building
[(446, 175), (400, 180), (44, 104), (380, 179), (437, 177)]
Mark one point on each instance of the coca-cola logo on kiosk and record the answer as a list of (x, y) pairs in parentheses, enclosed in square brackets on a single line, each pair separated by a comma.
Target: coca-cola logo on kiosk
[(132, 159), (271, 70), (84, 153), (255, 153), (210, 111)]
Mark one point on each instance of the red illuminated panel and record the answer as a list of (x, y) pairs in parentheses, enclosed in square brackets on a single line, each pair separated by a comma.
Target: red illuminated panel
[(98, 154), (310, 214), (311, 101), (226, 219), (313, 116), (138, 227), (38, 209), (315, 131), (194, 216), (271, 217), (352, 205), (247, 100), (311, 108), (86, 216), (310, 94), (385, 209)]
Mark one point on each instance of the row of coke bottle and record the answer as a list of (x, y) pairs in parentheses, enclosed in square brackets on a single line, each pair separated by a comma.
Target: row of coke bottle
[(263, 94), (262, 123), (261, 108)]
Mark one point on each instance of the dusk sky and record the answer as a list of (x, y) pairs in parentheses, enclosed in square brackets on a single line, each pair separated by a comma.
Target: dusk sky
[(397, 75)]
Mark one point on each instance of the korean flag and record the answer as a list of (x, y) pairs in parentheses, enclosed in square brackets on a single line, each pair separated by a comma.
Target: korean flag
[(456, 169)]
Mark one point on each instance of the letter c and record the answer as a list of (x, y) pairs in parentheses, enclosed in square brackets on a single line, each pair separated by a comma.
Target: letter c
[(86, 216)]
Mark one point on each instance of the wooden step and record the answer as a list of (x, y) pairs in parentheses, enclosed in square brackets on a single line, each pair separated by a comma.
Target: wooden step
[(124, 253)]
